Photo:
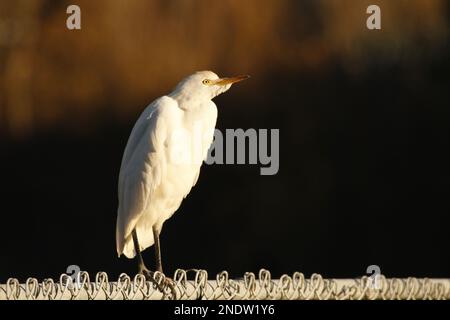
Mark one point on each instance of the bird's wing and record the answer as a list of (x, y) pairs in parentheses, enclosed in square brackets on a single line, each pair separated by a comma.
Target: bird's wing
[(142, 167)]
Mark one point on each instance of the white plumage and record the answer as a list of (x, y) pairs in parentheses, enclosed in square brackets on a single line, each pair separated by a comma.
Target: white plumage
[(163, 156)]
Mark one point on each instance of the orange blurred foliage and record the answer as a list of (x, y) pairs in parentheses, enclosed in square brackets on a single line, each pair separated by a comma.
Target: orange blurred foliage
[(132, 51)]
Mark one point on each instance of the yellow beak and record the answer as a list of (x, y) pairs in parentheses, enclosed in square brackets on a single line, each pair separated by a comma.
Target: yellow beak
[(225, 81)]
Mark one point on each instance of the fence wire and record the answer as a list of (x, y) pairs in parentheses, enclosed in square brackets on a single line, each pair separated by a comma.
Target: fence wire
[(195, 284)]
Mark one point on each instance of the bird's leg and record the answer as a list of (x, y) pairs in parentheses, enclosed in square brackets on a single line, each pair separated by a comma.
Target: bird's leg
[(149, 275), (167, 281), (141, 265), (157, 250)]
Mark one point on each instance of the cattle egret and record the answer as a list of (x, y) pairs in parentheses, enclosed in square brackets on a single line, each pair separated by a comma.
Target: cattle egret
[(162, 160)]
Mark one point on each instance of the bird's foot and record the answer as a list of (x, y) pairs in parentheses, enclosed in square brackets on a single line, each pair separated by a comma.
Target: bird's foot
[(160, 282)]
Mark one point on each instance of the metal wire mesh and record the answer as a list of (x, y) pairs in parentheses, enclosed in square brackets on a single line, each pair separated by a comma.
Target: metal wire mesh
[(194, 284)]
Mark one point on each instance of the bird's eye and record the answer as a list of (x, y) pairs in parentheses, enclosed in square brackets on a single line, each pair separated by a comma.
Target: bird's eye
[(206, 81)]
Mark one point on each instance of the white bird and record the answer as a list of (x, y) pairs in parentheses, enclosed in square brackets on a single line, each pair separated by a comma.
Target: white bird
[(162, 161)]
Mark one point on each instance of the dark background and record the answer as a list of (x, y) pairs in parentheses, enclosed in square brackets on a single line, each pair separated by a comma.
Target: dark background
[(364, 134)]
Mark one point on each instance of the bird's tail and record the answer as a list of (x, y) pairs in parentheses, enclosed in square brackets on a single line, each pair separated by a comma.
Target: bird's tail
[(125, 245)]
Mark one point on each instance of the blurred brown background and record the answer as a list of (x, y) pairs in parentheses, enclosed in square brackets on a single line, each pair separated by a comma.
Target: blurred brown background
[(363, 117), (131, 51)]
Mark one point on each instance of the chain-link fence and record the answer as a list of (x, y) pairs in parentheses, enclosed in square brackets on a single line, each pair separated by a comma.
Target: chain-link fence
[(195, 284)]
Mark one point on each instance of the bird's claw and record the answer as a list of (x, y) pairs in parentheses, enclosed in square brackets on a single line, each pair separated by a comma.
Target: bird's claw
[(162, 283)]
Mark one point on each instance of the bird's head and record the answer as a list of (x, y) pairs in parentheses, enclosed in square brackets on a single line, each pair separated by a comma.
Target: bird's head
[(204, 85)]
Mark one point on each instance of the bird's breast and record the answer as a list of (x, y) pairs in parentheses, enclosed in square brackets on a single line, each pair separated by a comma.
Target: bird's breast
[(186, 148)]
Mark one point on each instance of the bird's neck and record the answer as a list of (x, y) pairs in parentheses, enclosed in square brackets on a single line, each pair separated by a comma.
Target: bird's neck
[(186, 101)]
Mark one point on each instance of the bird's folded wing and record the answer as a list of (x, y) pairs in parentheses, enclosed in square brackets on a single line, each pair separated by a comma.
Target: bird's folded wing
[(142, 167)]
